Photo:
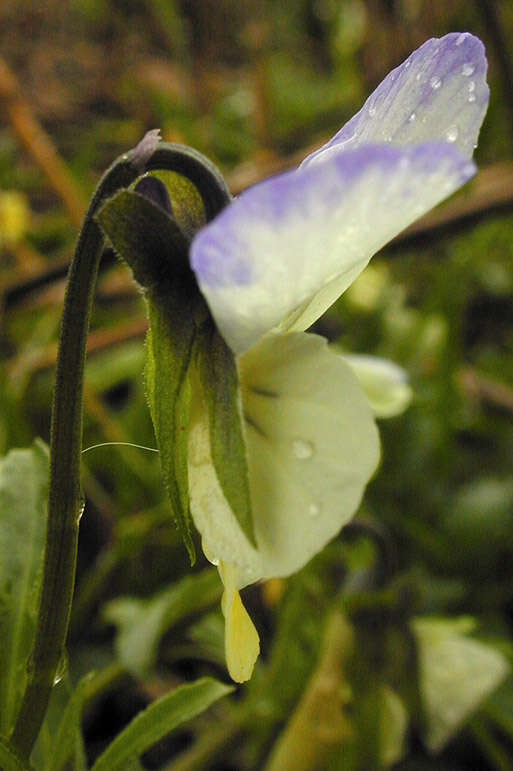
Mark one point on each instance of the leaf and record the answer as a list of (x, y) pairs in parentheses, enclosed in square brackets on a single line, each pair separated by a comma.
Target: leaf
[(220, 386), (154, 246), (158, 720), (456, 674), (67, 746), (141, 623), (23, 511)]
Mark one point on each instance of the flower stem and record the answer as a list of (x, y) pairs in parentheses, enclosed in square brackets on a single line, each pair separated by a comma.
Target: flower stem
[(64, 499)]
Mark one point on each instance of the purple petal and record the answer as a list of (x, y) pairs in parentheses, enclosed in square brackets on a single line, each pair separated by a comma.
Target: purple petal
[(438, 93), (284, 251)]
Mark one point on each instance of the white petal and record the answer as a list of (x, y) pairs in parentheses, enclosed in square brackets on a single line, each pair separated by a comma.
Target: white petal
[(286, 249), (312, 447), (439, 92), (385, 384)]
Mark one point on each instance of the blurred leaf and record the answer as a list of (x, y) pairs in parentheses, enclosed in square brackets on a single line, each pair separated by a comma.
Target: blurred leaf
[(158, 720), (23, 510), (393, 726), (8, 758), (142, 623), (456, 674)]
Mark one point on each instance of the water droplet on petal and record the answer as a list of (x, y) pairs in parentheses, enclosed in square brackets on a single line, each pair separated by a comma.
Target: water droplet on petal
[(407, 64), (467, 69), (372, 111), (452, 134), (461, 38), (302, 449), (471, 86), (412, 117), (418, 76), (314, 510), (471, 97), (435, 82)]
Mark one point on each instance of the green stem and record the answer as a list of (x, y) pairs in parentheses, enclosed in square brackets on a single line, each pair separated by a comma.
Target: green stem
[(64, 499)]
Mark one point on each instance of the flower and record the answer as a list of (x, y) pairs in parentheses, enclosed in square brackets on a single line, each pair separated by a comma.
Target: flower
[(269, 265)]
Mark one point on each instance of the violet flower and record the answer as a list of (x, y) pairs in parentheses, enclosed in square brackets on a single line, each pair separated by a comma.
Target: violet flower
[(269, 265)]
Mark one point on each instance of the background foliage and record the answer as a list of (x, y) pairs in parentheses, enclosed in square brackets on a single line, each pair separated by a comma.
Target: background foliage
[(255, 86)]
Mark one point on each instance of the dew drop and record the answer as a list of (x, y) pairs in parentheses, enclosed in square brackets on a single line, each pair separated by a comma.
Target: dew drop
[(61, 670), (467, 69), (461, 38), (471, 97), (412, 117), (471, 86), (302, 449), (435, 82), (418, 76), (314, 510), (372, 111), (452, 134), (407, 64)]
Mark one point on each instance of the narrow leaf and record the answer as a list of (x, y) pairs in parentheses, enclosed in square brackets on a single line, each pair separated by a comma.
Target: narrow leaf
[(220, 384), (23, 510), (67, 746), (158, 720)]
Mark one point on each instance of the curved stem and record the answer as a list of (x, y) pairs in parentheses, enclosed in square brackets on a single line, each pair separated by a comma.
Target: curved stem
[(64, 500)]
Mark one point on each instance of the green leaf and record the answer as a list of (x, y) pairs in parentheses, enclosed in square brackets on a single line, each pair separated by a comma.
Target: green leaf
[(158, 720), (220, 385), (456, 675), (154, 246), (9, 761), (23, 511), (67, 749), (141, 623)]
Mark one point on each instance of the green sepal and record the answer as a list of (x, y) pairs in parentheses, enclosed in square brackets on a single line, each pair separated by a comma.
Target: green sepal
[(151, 242), (169, 347), (147, 238), (220, 386), (188, 207)]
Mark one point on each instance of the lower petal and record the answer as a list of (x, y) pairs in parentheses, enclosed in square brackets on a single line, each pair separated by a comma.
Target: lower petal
[(312, 447), (242, 644)]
